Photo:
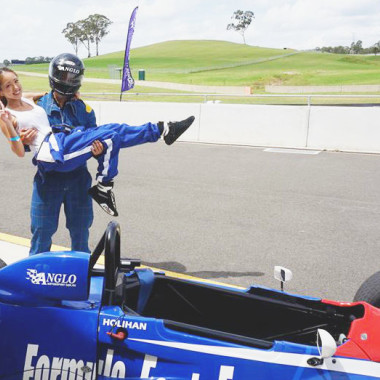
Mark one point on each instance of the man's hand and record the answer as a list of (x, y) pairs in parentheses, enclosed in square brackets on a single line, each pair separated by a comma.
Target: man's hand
[(97, 148), (28, 135), (35, 96)]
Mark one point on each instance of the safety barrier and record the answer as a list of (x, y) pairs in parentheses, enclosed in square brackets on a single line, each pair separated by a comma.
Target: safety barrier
[(344, 128)]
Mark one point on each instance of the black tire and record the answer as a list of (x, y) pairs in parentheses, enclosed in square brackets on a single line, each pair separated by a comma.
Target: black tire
[(2, 264), (369, 291)]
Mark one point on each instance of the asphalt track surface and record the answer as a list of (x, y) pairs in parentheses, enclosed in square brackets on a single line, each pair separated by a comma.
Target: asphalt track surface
[(230, 213)]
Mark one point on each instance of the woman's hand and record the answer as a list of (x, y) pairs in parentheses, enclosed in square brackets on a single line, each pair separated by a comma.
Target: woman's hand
[(6, 117), (28, 135), (8, 129), (97, 148), (3, 112)]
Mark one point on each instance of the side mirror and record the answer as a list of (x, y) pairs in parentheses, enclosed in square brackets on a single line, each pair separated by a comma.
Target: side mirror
[(326, 348), (326, 344), (282, 274)]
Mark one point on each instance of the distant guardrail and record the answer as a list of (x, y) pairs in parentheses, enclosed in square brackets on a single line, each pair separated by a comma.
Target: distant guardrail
[(308, 99), (324, 89)]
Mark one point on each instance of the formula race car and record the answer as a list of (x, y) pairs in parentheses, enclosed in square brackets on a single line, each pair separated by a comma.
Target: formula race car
[(63, 317)]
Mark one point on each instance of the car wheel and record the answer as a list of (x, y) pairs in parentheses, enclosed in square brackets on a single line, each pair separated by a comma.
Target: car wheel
[(369, 291), (2, 264)]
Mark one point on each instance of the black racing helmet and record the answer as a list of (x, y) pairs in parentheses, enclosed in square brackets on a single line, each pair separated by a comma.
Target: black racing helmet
[(66, 73)]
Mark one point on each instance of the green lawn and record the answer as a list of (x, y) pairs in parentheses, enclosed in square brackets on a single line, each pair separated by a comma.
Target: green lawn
[(95, 91), (226, 63), (221, 63)]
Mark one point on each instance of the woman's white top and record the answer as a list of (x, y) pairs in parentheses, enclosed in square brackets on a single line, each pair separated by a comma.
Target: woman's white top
[(34, 118)]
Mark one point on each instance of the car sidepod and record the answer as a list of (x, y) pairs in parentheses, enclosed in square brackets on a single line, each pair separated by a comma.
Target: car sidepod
[(42, 336), (157, 349)]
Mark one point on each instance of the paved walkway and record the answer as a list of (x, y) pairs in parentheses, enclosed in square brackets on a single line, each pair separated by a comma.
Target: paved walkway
[(231, 213), (14, 248), (234, 90)]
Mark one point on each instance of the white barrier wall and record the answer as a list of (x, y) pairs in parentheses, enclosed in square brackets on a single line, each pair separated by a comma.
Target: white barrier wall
[(355, 129), (332, 128), (256, 125)]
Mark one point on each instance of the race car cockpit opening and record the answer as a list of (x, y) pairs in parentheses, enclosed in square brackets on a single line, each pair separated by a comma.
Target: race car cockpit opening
[(257, 316)]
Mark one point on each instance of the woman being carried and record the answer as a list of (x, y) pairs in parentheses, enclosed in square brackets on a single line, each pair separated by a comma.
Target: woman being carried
[(63, 148)]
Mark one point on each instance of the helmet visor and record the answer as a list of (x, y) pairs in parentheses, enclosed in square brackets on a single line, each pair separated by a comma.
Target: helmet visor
[(68, 77)]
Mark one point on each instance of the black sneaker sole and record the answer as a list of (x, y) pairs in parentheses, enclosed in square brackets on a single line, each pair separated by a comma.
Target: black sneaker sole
[(182, 127), (105, 208)]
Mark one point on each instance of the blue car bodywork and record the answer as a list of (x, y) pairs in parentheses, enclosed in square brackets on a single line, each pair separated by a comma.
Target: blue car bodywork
[(63, 318)]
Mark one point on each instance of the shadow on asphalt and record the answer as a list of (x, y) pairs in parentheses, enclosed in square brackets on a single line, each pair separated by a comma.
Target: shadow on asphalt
[(180, 268)]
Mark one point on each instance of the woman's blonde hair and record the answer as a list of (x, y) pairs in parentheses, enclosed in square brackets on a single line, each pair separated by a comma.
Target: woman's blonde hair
[(6, 70)]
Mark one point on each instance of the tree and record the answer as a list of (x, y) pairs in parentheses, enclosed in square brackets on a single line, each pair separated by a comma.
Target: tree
[(87, 31), (72, 33), (85, 36), (243, 19), (98, 25), (357, 47), (6, 62), (32, 60), (376, 48)]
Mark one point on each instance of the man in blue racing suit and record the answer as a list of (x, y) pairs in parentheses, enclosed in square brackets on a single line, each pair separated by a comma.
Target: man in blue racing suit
[(52, 188), (69, 189)]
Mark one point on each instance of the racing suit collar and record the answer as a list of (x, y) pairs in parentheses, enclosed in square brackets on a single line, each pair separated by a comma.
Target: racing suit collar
[(52, 105)]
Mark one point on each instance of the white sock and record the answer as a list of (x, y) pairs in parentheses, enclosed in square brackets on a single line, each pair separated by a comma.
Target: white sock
[(166, 129), (103, 188)]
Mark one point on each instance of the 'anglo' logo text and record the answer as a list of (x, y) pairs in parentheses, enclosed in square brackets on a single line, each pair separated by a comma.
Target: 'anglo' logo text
[(51, 279), (69, 69)]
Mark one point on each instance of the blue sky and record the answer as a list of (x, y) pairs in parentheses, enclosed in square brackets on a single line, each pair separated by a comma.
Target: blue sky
[(33, 27)]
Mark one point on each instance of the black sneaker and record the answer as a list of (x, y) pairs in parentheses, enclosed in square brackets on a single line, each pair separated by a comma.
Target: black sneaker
[(106, 200), (176, 128)]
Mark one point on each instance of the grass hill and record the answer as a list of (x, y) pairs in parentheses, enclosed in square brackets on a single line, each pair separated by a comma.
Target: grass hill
[(226, 63)]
